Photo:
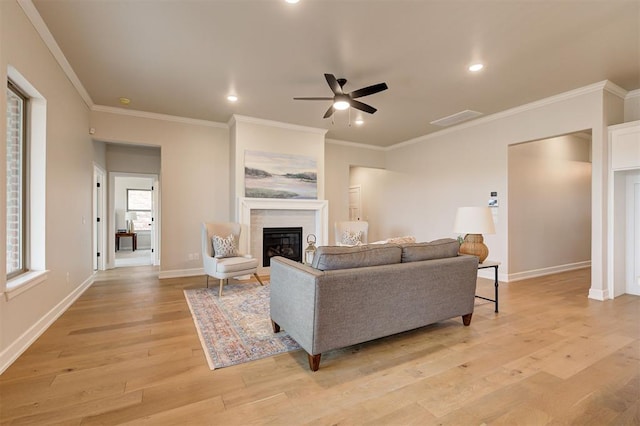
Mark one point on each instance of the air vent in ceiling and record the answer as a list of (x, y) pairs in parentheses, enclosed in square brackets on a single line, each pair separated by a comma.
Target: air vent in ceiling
[(456, 118)]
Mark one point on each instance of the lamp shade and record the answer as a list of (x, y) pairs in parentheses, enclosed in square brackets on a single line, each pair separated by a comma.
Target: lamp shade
[(474, 220), (131, 215)]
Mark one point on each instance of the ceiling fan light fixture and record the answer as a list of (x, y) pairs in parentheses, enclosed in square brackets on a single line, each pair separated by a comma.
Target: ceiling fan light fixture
[(341, 102)]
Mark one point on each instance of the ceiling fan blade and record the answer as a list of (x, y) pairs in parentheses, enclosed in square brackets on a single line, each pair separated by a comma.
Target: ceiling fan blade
[(333, 84), (329, 112), (362, 106), (313, 99), (369, 90)]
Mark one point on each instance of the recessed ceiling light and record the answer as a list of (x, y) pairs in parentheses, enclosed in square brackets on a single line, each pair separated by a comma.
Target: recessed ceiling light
[(292, 1), (125, 101), (359, 121), (476, 67), (232, 98)]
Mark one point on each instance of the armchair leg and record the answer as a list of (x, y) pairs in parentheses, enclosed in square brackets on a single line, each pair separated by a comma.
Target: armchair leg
[(258, 278), (221, 285), (207, 281)]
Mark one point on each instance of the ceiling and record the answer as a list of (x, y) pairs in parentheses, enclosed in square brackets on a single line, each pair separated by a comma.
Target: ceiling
[(184, 57)]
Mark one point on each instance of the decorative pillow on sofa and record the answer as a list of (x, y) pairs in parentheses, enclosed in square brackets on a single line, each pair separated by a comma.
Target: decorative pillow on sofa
[(402, 240), (437, 249), (224, 247), (328, 258), (351, 238)]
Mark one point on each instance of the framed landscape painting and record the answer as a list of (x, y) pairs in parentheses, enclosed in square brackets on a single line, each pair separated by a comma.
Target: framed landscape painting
[(274, 175)]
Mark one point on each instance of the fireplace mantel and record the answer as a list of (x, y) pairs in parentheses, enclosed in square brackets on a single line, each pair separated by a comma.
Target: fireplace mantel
[(320, 207)]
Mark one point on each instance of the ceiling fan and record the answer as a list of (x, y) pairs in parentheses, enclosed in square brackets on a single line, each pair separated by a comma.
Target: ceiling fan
[(342, 100)]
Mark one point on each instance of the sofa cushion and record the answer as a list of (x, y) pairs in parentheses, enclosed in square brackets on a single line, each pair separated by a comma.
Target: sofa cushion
[(329, 258), (437, 249)]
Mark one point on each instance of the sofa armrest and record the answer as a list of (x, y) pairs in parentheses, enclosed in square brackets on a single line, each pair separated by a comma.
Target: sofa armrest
[(293, 298)]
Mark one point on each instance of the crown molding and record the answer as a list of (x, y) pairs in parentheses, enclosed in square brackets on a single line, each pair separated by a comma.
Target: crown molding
[(633, 94), (235, 118), (595, 87), (157, 116), (356, 145), (46, 36), (614, 89)]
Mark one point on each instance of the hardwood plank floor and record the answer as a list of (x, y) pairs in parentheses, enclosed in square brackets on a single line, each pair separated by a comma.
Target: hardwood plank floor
[(127, 352)]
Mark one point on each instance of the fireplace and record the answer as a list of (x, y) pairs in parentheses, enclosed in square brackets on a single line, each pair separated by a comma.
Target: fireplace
[(285, 242)]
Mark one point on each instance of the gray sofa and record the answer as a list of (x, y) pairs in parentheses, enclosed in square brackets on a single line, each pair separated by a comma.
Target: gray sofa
[(351, 295)]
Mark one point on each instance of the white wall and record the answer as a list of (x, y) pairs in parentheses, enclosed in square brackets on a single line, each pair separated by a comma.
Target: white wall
[(194, 173), (632, 106), (69, 174), (549, 205)]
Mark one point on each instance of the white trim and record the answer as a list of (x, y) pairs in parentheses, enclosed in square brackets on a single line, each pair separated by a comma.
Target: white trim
[(245, 205), (48, 39), (157, 116), (600, 86), (633, 94), (598, 294), (615, 89), (357, 145), (24, 282), (244, 119), (178, 273), (22, 343), (547, 271)]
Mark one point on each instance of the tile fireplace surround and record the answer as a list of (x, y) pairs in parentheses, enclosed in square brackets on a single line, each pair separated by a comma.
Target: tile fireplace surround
[(256, 213)]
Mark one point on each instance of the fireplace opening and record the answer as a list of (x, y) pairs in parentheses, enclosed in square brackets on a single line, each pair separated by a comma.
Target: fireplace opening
[(285, 242)]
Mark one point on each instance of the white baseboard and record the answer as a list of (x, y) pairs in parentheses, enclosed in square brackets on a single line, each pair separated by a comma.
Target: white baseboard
[(597, 294), (22, 343), (548, 271), (177, 273)]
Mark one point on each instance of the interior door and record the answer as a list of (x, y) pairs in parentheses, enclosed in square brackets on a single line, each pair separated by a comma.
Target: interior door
[(355, 202)]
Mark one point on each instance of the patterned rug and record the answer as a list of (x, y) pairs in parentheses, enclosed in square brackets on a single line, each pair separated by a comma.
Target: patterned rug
[(236, 328)]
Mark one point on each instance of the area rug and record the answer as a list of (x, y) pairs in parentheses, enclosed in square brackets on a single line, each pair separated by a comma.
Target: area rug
[(236, 327)]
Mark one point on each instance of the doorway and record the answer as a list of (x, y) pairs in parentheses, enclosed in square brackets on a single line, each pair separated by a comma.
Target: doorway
[(549, 215), (134, 216)]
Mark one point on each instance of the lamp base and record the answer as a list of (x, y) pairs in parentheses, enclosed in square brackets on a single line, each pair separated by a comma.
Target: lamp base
[(473, 244)]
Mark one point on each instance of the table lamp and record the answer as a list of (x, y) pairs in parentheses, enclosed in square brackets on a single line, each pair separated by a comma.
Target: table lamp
[(474, 221)]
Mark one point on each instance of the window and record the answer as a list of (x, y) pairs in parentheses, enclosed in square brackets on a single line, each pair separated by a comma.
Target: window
[(139, 205), (16, 218)]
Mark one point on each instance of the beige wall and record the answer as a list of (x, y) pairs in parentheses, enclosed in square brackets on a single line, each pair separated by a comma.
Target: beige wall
[(69, 175), (260, 135), (462, 166), (194, 173), (549, 204), (339, 158)]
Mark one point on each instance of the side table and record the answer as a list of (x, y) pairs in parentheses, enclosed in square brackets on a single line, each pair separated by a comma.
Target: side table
[(491, 264)]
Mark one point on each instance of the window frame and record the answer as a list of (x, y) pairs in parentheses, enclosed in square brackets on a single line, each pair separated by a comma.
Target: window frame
[(24, 177)]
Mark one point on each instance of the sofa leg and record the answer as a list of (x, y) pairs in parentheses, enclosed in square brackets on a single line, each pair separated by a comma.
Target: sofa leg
[(314, 362), (466, 319), (258, 278), (275, 326)]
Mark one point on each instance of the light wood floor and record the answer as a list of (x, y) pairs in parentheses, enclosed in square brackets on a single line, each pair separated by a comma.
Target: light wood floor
[(127, 352)]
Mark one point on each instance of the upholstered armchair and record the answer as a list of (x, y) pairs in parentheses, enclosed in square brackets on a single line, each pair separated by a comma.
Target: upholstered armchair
[(226, 264), (351, 232)]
